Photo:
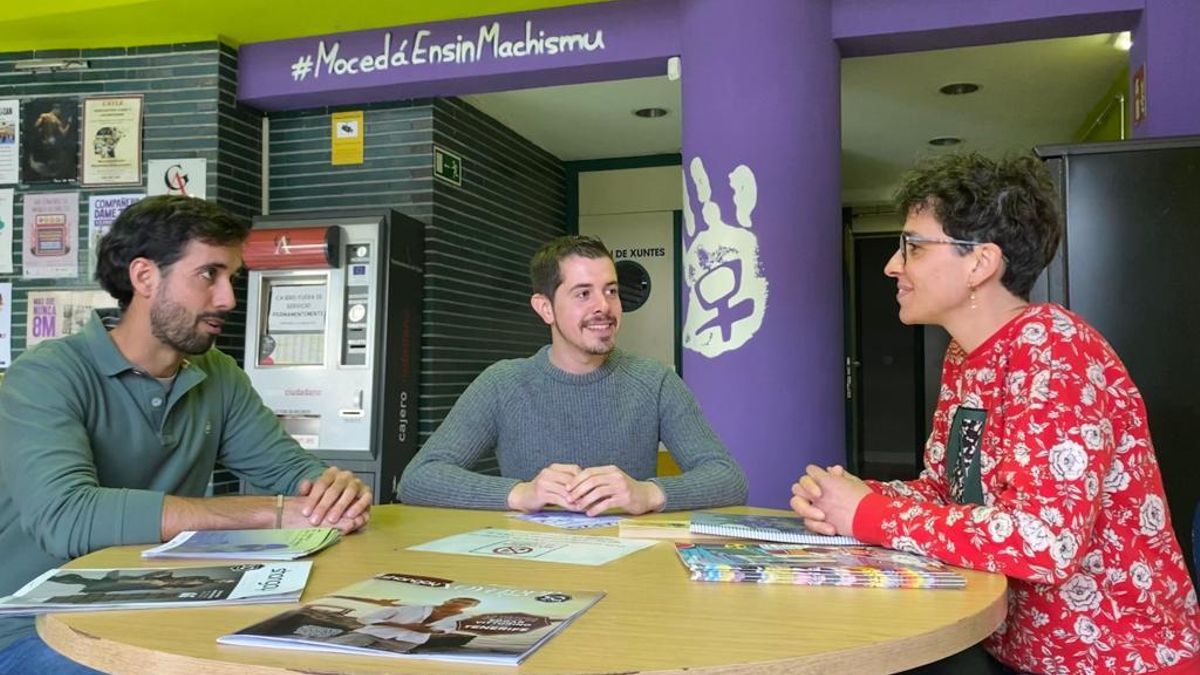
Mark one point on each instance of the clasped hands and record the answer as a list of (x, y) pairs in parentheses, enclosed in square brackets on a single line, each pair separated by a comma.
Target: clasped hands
[(336, 498), (827, 499), (593, 490)]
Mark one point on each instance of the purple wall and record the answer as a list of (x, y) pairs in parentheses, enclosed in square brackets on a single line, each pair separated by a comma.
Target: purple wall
[(869, 27), (631, 38), (760, 95), (1167, 43)]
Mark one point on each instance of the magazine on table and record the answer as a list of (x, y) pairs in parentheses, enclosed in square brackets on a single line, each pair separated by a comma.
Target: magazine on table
[(410, 616), (91, 590), (573, 549), (788, 529), (568, 520), (247, 544), (869, 566)]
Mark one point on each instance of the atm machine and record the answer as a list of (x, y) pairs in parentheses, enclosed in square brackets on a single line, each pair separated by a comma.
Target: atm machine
[(333, 336)]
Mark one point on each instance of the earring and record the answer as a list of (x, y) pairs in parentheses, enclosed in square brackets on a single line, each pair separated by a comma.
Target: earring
[(973, 303)]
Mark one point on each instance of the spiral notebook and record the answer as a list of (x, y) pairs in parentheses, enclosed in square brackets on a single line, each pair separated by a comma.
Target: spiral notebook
[(786, 529)]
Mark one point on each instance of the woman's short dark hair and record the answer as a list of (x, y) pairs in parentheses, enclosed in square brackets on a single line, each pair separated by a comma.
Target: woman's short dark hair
[(159, 229), (544, 273), (1011, 203)]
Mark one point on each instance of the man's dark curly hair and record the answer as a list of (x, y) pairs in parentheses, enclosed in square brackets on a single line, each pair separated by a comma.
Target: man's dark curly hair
[(544, 274), (159, 229), (1011, 203)]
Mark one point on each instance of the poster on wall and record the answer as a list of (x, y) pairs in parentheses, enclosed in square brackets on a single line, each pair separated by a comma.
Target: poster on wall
[(185, 177), (102, 211), (5, 325), (6, 230), (50, 141), (55, 314), (10, 145), (112, 141), (51, 226)]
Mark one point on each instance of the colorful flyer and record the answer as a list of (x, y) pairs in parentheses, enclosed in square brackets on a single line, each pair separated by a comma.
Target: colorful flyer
[(55, 314), (50, 247), (10, 141), (5, 325), (185, 177), (112, 141), (573, 549), (6, 230), (50, 146), (102, 211)]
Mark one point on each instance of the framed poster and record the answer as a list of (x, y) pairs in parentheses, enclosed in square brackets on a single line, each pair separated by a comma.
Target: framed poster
[(112, 141), (10, 145), (50, 140)]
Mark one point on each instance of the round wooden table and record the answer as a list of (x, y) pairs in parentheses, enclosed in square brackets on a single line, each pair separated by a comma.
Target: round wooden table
[(652, 620)]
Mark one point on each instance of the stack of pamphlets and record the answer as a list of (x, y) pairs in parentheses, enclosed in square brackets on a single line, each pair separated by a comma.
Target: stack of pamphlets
[(868, 566), (404, 615), (568, 520), (91, 590), (788, 529), (247, 544)]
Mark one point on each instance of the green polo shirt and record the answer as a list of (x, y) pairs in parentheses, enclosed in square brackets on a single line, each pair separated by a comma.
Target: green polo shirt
[(89, 445)]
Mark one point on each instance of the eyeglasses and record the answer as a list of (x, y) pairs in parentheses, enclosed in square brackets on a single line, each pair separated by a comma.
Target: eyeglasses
[(906, 239)]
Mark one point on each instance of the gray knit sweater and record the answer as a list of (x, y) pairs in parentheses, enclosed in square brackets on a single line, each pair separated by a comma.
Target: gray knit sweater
[(534, 414)]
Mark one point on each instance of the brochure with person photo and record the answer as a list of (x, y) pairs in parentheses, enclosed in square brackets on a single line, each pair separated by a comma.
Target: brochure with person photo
[(406, 615), (247, 544), (91, 590)]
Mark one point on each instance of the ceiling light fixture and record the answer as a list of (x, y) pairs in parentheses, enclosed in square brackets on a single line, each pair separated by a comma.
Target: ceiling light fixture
[(1123, 40), (650, 112), (959, 88), (941, 141)]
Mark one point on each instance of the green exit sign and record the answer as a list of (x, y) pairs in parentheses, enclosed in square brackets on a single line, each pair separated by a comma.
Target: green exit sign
[(447, 166)]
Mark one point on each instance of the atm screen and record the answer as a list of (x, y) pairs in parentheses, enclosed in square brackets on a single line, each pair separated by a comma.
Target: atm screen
[(293, 332)]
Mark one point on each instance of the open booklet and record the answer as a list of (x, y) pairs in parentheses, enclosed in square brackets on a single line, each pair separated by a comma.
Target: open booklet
[(91, 590), (404, 615), (789, 529), (247, 544)]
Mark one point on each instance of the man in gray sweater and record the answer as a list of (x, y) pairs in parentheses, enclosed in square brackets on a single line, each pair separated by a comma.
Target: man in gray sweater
[(578, 424)]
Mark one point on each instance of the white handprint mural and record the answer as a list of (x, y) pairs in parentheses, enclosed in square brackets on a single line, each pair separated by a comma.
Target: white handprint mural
[(727, 292)]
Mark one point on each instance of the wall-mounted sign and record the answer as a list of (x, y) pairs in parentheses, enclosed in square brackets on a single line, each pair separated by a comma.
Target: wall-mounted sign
[(346, 138), (446, 58), (187, 177), (447, 166), (112, 140)]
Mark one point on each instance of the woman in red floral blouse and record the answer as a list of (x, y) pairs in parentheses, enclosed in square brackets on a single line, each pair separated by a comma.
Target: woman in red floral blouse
[(1040, 465)]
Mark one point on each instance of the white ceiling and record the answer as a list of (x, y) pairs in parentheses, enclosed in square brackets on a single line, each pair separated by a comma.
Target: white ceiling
[(1031, 93)]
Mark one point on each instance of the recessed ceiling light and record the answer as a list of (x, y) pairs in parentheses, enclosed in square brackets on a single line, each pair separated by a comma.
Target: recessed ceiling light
[(650, 112), (959, 88), (1123, 40), (945, 140)]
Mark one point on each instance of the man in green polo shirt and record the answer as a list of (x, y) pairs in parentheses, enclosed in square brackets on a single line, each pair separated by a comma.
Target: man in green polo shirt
[(110, 436)]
